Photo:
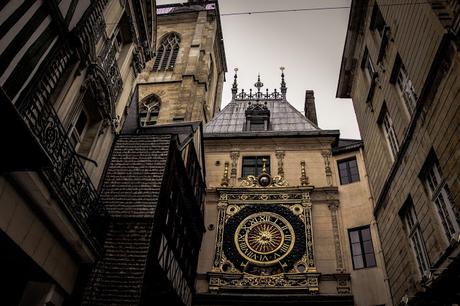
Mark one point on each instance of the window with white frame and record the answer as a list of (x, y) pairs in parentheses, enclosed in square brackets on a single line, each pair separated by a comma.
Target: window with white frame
[(368, 65), (389, 132), (440, 197), (404, 85), (371, 75), (415, 236)]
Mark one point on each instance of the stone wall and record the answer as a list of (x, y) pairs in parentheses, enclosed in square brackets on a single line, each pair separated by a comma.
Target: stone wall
[(418, 35), (336, 208), (192, 90)]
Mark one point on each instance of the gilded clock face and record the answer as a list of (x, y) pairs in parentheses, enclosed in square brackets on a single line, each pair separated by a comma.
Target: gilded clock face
[(264, 238)]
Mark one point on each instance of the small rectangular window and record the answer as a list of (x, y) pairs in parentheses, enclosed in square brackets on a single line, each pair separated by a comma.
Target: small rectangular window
[(415, 236), (386, 124), (371, 75), (362, 250), (253, 165), (369, 66), (348, 171), (257, 125), (400, 78)]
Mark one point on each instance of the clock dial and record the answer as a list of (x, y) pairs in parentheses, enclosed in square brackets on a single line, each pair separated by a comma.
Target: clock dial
[(264, 238)]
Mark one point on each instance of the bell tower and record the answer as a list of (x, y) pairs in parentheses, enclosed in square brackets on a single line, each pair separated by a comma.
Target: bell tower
[(186, 75)]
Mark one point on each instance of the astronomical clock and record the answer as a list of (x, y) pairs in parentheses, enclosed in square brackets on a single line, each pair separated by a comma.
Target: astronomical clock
[(264, 237)]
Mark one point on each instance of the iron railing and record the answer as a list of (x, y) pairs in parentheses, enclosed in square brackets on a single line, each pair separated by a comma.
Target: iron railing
[(108, 62), (67, 179)]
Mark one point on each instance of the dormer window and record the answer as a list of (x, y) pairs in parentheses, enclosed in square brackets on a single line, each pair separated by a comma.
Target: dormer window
[(255, 125), (257, 117)]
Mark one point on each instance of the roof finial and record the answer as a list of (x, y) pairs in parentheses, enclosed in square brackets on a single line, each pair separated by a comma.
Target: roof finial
[(258, 84), (235, 84), (283, 84)]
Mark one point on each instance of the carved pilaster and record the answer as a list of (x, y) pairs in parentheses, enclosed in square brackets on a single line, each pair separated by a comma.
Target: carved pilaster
[(306, 203), (303, 174), (327, 166), (225, 180), (335, 231), (221, 209), (280, 158), (234, 155)]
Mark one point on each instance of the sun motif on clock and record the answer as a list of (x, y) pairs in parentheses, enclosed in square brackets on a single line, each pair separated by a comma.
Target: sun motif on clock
[(264, 238)]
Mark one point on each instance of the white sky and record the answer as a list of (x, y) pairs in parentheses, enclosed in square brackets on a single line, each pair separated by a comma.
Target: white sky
[(308, 44)]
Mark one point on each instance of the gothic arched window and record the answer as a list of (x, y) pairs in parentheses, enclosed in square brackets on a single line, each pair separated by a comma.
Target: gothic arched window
[(167, 53), (149, 109)]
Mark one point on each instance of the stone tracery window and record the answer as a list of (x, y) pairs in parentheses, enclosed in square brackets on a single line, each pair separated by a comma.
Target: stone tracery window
[(167, 53), (149, 108)]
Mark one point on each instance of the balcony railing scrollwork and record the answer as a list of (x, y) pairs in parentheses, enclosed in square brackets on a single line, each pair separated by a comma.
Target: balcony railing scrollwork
[(108, 63), (67, 178), (68, 181), (90, 29)]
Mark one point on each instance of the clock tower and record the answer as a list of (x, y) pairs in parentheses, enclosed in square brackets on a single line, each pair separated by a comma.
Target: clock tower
[(278, 219)]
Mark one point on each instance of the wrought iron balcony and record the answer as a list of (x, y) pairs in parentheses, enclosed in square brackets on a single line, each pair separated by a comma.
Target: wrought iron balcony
[(67, 179), (108, 62)]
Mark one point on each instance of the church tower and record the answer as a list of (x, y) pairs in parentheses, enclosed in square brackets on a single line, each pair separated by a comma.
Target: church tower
[(184, 80)]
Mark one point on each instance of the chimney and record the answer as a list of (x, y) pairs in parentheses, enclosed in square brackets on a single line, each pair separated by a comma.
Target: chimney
[(310, 108)]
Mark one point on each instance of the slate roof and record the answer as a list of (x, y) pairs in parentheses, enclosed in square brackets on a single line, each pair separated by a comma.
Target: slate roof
[(283, 118), (130, 193), (345, 145), (118, 277), (133, 179)]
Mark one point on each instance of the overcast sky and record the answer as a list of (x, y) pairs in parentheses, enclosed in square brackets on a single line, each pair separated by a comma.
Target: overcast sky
[(308, 44)]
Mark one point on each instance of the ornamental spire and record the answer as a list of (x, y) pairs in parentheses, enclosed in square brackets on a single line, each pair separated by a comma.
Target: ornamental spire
[(258, 85), (235, 84), (283, 84)]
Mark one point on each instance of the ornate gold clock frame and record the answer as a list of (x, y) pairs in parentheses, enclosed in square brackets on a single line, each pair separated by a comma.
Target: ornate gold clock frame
[(264, 237)]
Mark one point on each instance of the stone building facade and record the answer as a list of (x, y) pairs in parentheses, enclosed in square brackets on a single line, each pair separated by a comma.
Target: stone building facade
[(286, 204), (67, 72), (400, 66), (154, 186), (187, 75)]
